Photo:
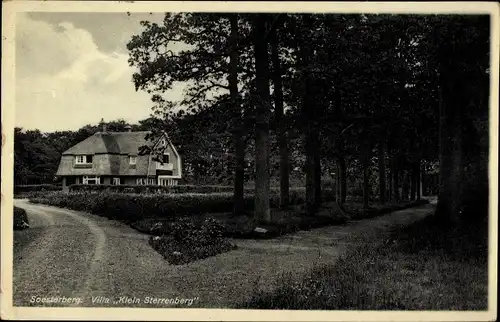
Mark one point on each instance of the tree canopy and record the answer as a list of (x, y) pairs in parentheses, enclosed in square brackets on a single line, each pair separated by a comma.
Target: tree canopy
[(374, 102)]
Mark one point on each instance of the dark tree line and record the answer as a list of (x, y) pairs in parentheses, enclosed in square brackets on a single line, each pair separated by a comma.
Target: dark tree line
[(340, 93), (374, 104)]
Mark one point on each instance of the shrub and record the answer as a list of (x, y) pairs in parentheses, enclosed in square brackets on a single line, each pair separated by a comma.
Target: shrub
[(20, 219), (190, 240)]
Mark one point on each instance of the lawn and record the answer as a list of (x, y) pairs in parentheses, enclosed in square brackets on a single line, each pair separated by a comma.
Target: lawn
[(422, 267)]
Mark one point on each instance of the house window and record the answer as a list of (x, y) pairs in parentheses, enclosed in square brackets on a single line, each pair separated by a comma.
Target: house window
[(80, 159), (116, 181), (91, 180), (165, 158), (167, 182), (132, 160), (144, 181), (83, 159)]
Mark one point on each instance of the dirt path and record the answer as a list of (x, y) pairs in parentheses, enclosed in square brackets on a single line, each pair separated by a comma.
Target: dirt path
[(78, 255)]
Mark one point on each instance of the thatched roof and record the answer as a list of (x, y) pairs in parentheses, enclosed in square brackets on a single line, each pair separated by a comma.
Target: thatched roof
[(112, 143), (107, 165)]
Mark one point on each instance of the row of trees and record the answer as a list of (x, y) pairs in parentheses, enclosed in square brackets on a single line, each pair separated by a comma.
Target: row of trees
[(408, 91), (204, 144)]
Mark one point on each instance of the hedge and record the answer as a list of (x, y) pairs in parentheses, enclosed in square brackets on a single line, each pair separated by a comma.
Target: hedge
[(163, 189), (137, 206), (36, 187), (154, 188)]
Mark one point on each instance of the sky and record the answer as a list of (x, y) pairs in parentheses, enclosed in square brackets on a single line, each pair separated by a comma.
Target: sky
[(72, 69)]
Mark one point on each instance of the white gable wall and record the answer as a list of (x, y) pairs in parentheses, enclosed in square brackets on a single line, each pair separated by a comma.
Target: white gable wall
[(174, 157)]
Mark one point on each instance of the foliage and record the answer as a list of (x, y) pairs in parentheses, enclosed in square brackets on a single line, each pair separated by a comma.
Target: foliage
[(188, 242), (20, 219), (138, 206)]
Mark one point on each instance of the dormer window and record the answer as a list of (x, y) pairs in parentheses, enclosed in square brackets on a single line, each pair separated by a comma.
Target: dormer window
[(83, 159), (132, 160)]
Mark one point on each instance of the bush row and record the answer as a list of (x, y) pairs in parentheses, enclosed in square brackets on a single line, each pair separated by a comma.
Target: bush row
[(18, 189), (167, 189), (131, 207), (153, 188)]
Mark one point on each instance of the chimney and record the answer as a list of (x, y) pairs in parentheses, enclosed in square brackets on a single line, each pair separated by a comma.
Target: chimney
[(128, 128), (103, 126)]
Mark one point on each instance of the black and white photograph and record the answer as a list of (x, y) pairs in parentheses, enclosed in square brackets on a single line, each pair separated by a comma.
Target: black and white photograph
[(245, 160)]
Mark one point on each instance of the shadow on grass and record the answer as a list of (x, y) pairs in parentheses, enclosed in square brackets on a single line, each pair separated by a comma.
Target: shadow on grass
[(283, 221), (425, 266)]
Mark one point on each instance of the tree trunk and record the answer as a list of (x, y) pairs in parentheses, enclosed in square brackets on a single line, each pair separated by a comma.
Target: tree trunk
[(413, 181), (419, 182), (389, 191), (342, 178), (310, 175), (406, 185), (308, 111), (337, 182), (313, 171), (365, 158), (239, 145), (382, 172), (317, 170), (395, 179), (262, 184), (450, 155), (423, 180), (280, 124)]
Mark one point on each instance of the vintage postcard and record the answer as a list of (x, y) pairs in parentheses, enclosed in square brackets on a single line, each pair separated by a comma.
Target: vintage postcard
[(235, 161)]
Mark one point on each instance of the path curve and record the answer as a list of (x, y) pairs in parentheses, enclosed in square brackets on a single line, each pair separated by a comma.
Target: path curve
[(83, 256)]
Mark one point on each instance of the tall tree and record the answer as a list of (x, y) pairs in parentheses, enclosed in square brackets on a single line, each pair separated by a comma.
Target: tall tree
[(262, 97), (204, 52), (309, 115), (382, 172), (365, 161), (239, 144), (279, 117), (462, 59)]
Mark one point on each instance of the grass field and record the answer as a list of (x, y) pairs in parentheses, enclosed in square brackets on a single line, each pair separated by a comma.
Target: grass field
[(422, 267)]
